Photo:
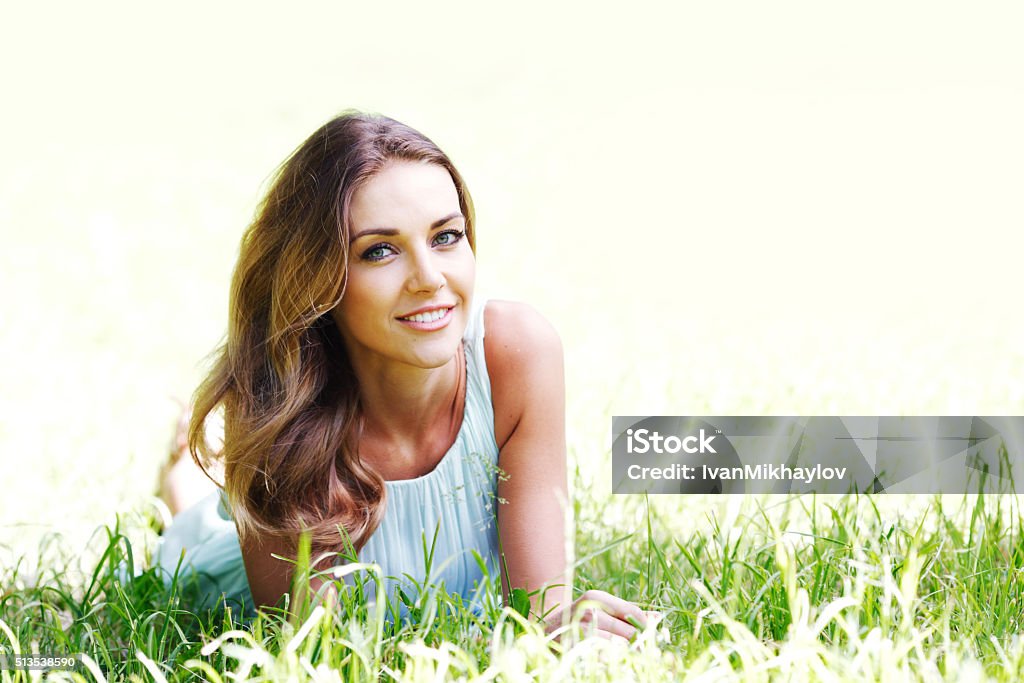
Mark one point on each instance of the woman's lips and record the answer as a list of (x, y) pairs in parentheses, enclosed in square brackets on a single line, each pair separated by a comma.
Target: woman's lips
[(428, 320)]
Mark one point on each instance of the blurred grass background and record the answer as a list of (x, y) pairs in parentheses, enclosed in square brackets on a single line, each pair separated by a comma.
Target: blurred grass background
[(742, 208)]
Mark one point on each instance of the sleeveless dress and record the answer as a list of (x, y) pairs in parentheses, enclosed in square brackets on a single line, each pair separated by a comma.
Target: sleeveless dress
[(451, 508)]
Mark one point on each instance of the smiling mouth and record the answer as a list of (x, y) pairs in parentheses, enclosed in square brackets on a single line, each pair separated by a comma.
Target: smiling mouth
[(428, 316)]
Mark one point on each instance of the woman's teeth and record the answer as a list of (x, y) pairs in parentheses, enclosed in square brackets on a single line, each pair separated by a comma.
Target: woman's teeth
[(429, 316)]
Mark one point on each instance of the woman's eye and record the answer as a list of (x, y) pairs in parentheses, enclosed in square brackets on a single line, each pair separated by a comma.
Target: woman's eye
[(448, 237), (377, 252)]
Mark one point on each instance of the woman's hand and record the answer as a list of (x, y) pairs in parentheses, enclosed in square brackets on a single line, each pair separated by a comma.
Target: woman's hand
[(603, 615)]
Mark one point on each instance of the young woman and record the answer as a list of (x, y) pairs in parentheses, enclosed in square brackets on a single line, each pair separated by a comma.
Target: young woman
[(365, 388)]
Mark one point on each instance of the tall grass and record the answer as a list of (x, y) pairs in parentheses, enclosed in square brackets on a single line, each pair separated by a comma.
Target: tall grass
[(779, 588)]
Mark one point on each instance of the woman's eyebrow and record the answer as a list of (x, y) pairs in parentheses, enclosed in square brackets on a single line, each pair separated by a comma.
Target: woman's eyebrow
[(441, 221), (373, 231), (392, 231)]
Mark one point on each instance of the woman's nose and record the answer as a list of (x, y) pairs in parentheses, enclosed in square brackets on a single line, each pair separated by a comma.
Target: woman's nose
[(426, 274)]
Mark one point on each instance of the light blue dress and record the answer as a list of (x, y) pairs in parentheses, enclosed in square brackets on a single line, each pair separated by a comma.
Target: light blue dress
[(456, 501)]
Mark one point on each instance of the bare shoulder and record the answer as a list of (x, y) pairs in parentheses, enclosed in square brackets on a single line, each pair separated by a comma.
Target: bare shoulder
[(514, 328), (524, 358)]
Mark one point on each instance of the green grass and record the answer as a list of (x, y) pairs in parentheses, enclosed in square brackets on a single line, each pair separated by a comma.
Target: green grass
[(781, 588)]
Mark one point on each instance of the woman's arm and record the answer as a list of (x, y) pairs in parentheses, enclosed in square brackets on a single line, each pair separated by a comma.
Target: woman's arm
[(270, 578), (524, 360)]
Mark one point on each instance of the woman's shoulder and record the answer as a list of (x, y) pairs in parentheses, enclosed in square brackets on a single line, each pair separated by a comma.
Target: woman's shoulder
[(513, 326), (524, 356)]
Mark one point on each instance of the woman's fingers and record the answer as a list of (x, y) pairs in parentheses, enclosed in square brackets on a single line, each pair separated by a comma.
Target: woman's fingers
[(607, 616), (595, 622), (615, 606)]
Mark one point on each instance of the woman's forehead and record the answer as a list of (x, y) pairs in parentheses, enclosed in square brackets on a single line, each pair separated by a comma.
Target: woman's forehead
[(404, 194)]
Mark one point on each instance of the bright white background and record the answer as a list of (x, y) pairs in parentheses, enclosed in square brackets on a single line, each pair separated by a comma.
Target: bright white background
[(725, 208)]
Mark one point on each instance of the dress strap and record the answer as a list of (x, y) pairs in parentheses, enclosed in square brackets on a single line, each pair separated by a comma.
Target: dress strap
[(478, 382)]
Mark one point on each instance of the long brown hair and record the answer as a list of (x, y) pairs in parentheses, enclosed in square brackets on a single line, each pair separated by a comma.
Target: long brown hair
[(290, 399)]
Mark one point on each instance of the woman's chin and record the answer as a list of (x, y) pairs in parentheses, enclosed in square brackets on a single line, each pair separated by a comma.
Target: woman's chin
[(435, 353)]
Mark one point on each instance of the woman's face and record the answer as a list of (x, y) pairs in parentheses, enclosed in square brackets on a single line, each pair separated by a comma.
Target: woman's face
[(410, 272)]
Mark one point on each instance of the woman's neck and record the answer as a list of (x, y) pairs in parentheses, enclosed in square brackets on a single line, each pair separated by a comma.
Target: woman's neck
[(404, 406)]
